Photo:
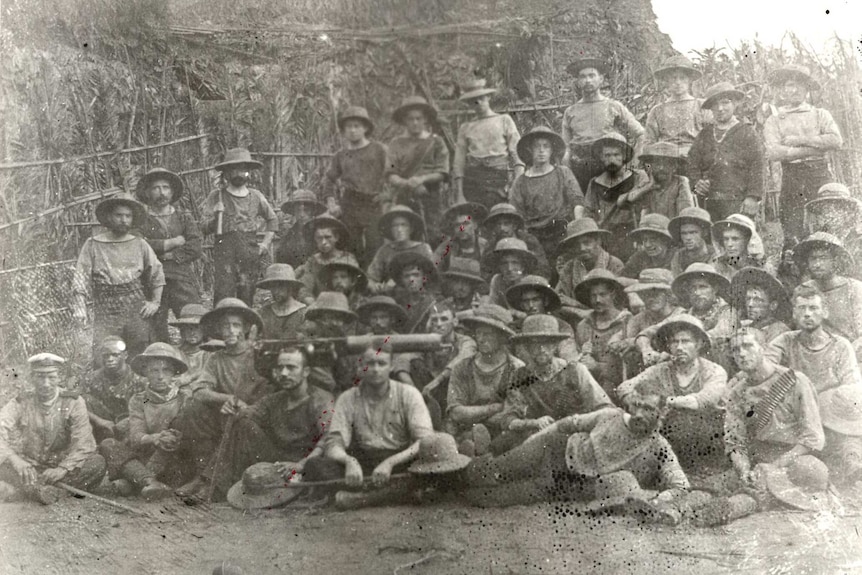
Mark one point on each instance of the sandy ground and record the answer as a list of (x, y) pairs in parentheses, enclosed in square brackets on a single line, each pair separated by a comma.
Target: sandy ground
[(82, 536)]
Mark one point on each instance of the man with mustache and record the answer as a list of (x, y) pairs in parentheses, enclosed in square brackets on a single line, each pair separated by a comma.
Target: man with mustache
[(667, 192)]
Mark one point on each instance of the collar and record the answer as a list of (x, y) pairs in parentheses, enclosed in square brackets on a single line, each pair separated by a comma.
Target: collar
[(602, 178), (803, 107), (237, 192), (171, 211), (48, 404), (155, 397)]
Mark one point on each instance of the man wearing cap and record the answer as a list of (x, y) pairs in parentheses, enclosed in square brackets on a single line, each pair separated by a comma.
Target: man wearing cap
[(330, 239), (354, 183), (405, 231), (330, 317), (740, 244), (284, 315), (382, 315), (726, 161), (463, 283), (593, 117), (547, 192), (549, 388), (799, 136), (533, 295), (511, 260), (45, 436), (418, 162), (344, 278), (295, 245), (478, 384), (691, 230), (504, 221), (836, 211), (653, 241), (667, 192), (680, 118), (486, 150), (108, 389), (693, 386), (236, 255), (175, 237), (603, 192), (122, 273), (759, 298), (462, 221), (841, 414)]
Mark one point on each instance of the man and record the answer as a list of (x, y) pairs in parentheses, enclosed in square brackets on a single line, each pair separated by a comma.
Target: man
[(405, 231), (415, 279), (836, 211), (176, 239), (737, 238), (284, 315), (511, 260), (583, 244), (823, 256), (759, 298), (107, 391), (828, 360), (122, 273), (653, 241), (463, 283), (667, 192), (603, 191), (285, 426), (345, 278), (693, 386), (237, 255), (799, 136), (532, 295), (680, 118), (382, 315), (330, 317), (45, 437), (691, 230), (330, 239), (294, 244), (549, 388), (504, 221), (726, 161), (463, 222), (593, 117), (478, 384), (841, 414)]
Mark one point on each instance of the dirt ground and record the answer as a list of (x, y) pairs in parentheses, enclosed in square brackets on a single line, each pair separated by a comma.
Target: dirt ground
[(83, 536)]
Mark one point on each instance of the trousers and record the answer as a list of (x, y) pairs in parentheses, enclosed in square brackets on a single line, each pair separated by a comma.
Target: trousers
[(176, 294), (86, 476), (799, 184), (236, 266), (360, 214), (117, 311)]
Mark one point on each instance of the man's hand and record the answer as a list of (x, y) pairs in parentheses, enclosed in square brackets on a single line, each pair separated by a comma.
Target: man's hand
[(25, 470), (167, 440), (353, 473), (233, 406), (414, 182), (750, 207), (621, 346), (381, 474), (54, 475), (795, 141), (589, 361), (543, 422), (149, 309), (701, 188), (682, 402), (290, 470)]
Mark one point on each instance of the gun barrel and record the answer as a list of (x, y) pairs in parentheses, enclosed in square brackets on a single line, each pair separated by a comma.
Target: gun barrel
[(400, 342)]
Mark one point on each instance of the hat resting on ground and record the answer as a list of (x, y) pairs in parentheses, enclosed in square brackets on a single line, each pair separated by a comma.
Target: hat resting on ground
[(598, 276), (305, 197), (794, 72), (539, 327), (438, 453), (279, 274), (841, 409), (823, 240), (404, 260), (757, 277), (525, 144), (106, 206), (325, 274), (417, 224), (535, 283), (616, 140), (676, 323), (230, 306), (356, 113), (582, 227), (652, 279), (475, 88), (330, 302), (833, 193), (159, 350), (720, 91), (383, 302), (513, 246), (678, 63), (147, 179), (692, 215), (238, 158), (500, 211), (490, 315), (414, 103), (190, 314), (802, 484), (261, 487), (652, 224), (45, 362), (575, 67), (702, 271)]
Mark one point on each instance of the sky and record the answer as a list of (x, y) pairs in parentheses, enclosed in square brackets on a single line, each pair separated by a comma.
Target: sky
[(695, 24)]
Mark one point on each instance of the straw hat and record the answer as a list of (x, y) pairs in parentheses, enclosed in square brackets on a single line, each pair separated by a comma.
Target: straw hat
[(324, 276), (701, 271), (539, 327), (655, 224), (45, 362), (438, 453), (261, 487), (582, 227), (598, 276), (106, 206), (490, 315), (720, 91), (758, 277), (537, 283), (414, 103), (823, 240), (794, 72), (475, 88), (738, 221), (841, 409), (576, 66), (836, 193), (330, 302), (663, 152), (802, 484), (525, 144), (417, 224), (513, 246), (326, 221), (306, 197), (159, 350), (190, 314), (692, 215), (678, 63), (238, 158), (230, 306), (383, 302), (403, 260), (279, 274), (676, 323), (356, 113), (147, 179), (464, 268), (613, 139), (652, 278), (476, 212), (502, 210)]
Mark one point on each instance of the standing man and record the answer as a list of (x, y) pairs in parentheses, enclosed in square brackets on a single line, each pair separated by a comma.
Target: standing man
[(236, 256), (799, 137), (680, 118), (592, 117), (176, 239), (836, 211)]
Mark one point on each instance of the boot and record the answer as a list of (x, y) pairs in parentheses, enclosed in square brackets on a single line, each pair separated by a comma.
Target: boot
[(723, 510), (155, 490), (7, 492), (192, 488), (122, 487), (44, 494)]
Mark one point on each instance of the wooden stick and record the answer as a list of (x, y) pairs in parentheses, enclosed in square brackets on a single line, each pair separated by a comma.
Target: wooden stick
[(335, 482), (105, 500)]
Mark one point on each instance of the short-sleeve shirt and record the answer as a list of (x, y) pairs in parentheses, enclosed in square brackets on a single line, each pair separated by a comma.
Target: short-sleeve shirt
[(107, 262), (358, 171), (241, 213)]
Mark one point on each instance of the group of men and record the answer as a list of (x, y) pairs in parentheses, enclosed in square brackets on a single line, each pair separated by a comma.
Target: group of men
[(562, 325)]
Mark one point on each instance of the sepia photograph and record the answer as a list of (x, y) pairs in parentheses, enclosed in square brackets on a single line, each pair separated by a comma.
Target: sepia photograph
[(430, 287)]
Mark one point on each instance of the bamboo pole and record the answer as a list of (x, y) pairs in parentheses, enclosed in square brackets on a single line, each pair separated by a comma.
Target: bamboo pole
[(36, 266)]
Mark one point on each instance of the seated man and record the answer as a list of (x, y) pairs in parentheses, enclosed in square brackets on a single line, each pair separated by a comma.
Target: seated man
[(330, 238), (740, 244), (691, 230), (405, 231), (667, 192), (654, 246), (693, 387), (504, 221), (192, 339), (107, 391), (330, 317), (294, 245), (532, 295), (463, 283), (478, 384), (45, 437), (381, 315), (841, 414), (462, 221), (510, 261), (345, 278), (283, 316), (548, 388), (836, 211), (761, 299), (414, 277)]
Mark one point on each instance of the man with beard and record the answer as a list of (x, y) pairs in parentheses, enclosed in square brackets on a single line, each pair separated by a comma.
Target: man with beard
[(345, 278), (284, 315), (604, 191), (691, 230), (123, 274), (532, 295), (737, 238), (511, 261), (726, 161), (176, 239), (693, 386), (236, 256), (680, 118), (836, 211), (654, 242), (667, 192), (799, 136), (504, 221), (761, 299)]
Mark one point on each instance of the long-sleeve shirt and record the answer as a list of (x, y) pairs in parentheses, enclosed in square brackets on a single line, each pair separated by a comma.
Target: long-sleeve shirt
[(489, 142), (177, 262), (53, 435), (574, 272), (586, 122), (150, 413), (640, 261), (832, 366), (232, 372), (707, 387), (595, 340), (805, 121), (241, 214), (668, 201), (844, 302), (282, 326), (682, 258), (393, 422), (735, 165), (676, 121), (360, 171), (107, 394), (378, 269), (107, 262), (543, 199), (404, 157), (601, 200)]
